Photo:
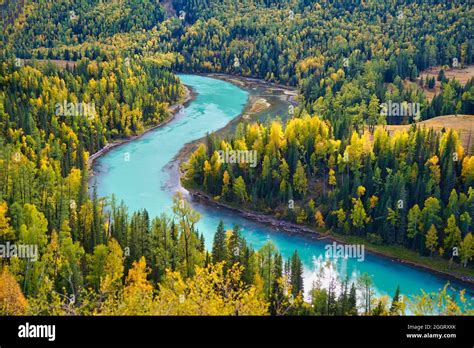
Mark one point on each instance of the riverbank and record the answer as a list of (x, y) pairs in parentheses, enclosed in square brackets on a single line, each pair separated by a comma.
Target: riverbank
[(247, 82), (251, 108), (218, 103), (280, 225), (411, 259), (188, 97), (263, 96), (392, 253)]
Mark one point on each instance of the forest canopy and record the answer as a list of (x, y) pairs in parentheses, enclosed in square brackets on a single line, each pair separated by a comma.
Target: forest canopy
[(77, 76)]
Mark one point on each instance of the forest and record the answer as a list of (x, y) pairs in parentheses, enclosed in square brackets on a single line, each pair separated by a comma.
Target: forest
[(413, 188), (332, 166)]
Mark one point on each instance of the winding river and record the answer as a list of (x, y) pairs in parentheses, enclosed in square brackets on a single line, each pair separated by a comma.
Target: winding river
[(143, 173)]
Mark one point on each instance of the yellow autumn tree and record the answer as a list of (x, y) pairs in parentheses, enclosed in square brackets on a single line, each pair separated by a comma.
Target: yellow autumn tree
[(360, 191), (373, 201), (225, 183), (319, 218), (138, 292), (113, 268), (12, 301), (6, 231), (207, 169), (466, 249), (332, 177), (431, 239), (300, 182), (209, 292), (467, 170), (276, 139), (433, 165), (441, 302)]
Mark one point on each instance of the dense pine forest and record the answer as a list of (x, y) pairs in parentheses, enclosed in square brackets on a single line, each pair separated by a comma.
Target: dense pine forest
[(332, 166)]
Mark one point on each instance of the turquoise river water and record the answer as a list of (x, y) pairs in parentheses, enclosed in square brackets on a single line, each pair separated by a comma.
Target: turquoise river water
[(143, 173)]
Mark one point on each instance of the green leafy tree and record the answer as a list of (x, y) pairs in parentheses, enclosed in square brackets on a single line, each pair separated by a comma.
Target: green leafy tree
[(466, 249), (240, 190), (300, 182), (452, 237), (431, 239)]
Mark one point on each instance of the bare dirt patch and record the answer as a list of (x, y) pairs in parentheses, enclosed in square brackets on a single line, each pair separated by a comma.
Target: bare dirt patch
[(259, 105), (464, 124), (462, 75)]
